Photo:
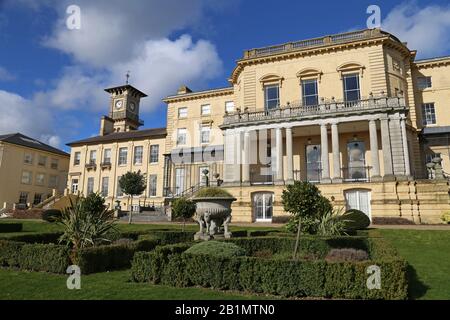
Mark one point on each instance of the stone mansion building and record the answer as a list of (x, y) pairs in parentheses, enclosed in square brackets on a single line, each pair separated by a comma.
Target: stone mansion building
[(355, 113)]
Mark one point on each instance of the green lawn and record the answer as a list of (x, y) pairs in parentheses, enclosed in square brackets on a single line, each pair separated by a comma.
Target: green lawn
[(428, 253)]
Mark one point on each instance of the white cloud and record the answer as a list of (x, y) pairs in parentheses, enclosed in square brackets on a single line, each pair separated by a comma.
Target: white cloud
[(21, 115), (5, 75), (426, 30)]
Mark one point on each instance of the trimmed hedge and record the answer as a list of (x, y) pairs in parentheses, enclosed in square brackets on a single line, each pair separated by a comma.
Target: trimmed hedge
[(111, 257), (169, 237), (315, 278), (10, 227), (34, 257), (217, 249), (44, 237)]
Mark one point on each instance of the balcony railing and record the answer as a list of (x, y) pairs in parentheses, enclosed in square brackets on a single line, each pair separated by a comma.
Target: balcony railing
[(356, 174), (311, 43), (297, 110)]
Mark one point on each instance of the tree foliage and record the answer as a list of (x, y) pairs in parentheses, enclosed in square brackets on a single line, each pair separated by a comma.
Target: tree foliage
[(183, 208), (133, 183)]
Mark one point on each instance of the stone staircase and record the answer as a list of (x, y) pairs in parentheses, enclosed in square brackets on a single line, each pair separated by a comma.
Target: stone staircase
[(157, 215)]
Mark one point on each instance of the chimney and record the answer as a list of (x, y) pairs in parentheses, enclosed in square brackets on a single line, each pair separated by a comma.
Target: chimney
[(106, 126), (184, 90)]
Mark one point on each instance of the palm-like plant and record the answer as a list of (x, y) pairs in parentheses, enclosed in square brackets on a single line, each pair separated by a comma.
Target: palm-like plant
[(331, 224), (87, 223)]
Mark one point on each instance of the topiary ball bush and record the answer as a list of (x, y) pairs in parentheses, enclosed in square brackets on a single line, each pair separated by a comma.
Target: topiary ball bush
[(217, 249), (355, 220), (213, 192), (51, 215)]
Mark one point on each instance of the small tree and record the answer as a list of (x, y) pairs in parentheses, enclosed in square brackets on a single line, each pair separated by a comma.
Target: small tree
[(183, 208), (306, 203), (132, 184)]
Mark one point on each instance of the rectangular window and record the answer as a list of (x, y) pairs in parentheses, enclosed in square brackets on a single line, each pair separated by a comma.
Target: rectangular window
[(53, 181), (351, 87), (23, 198), (77, 158), (28, 158), (40, 179), (105, 186), (38, 197), (206, 109), (107, 156), (205, 133), (74, 186), (153, 178), (181, 136), (26, 177), (182, 113), (92, 157), (119, 189), (310, 92), (423, 82), (54, 164), (138, 154), (42, 161), (90, 186), (154, 153), (272, 97), (428, 114), (229, 106), (123, 155)]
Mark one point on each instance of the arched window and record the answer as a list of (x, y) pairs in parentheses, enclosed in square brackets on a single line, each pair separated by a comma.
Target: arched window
[(358, 199)]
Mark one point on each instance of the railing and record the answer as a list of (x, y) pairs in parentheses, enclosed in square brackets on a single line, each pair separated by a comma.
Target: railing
[(311, 43), (298, 110), (356, 174)]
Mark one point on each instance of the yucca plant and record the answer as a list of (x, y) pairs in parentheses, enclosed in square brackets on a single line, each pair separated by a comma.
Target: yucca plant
[(87, 222), (331, 224)]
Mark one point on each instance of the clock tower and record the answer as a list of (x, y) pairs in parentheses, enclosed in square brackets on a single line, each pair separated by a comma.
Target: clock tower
[(124, 108)]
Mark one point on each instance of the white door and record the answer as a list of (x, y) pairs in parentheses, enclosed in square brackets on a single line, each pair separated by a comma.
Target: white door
[(74, 186), (179, 181), (201, 175), (263, 206), (313, 163), (359, 200)]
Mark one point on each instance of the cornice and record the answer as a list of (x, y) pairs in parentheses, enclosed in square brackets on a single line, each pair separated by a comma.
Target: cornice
[(431, 63), (200, 95)]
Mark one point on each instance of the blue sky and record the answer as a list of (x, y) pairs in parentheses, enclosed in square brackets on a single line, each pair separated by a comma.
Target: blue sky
[(52, 78)]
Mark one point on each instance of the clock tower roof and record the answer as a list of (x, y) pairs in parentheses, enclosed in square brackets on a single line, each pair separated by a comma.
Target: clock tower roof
[(121, 89)]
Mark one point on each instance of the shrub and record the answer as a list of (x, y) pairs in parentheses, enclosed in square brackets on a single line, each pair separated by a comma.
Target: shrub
[(132, 184), (213, 192), (169, 237), (183, 208), (10, 253), (216, 249), (44, 257), (10, 227), (27, 214), (43, 237), (331, 224), (346, 254), (355, 220), (305, 202), (391, 221), (51, 215)]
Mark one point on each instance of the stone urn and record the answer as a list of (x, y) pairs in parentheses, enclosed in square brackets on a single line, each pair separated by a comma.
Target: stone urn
[(213, 215)]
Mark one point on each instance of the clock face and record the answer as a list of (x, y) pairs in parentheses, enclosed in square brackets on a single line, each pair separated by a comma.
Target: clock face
[(119, 104), (132, 106)]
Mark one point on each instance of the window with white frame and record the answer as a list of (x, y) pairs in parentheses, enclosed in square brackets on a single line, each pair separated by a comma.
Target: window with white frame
[(181, 136), (424, 82), (229, 106), (123, 155), (92, 157), (206, 109), (42, 161), (119, 191), (38, 197), (28, 158), (105, 186), (182, 112), (154, 153), (54, 164), (152, 187), (272, 96), (26, 177), (205, 132), (77, 158), (310, 94), (53, 181), (90, 186), (428, 114), (23, 197), (40, 179), (107, 156), (138, 154), (351, 87)]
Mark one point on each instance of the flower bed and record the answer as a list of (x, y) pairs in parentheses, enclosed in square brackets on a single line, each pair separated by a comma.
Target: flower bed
[(171, 265)]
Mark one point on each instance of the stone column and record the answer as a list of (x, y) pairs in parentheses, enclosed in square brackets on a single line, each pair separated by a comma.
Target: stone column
[(405, 147), (375, 171), (238, 158), (246, 159), (289, 155), (279, 156), (387, 151), (336, 154), (324, 148)]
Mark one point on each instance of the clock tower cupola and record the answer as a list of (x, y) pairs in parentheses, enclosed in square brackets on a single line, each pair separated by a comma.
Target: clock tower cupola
[(124, 108)]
